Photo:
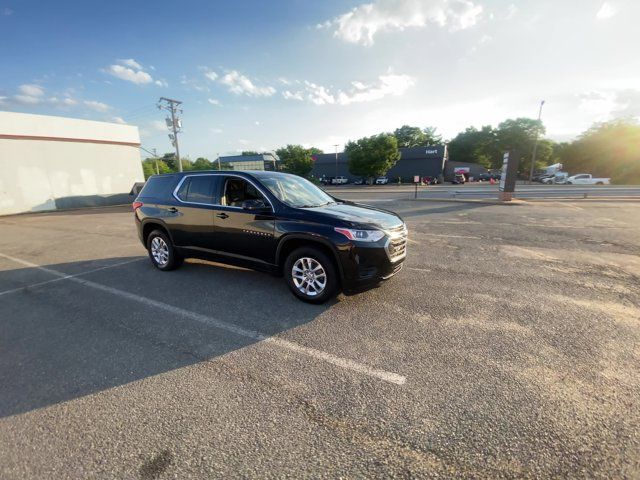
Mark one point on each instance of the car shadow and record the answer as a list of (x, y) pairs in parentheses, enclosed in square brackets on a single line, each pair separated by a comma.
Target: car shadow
[(69, 338)]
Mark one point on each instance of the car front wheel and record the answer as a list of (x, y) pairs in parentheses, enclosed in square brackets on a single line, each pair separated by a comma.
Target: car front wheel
[(311, 275), (161, 251)]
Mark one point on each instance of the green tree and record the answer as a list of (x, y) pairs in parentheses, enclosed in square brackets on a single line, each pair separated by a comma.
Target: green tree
[(149, 167), (296, 159), (202, 163), (519, 135), (408, 136), (610, 149), (372, 156), (476, 146), (249, 152)]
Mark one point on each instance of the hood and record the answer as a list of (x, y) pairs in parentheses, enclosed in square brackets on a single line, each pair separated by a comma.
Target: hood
[(356, 215)]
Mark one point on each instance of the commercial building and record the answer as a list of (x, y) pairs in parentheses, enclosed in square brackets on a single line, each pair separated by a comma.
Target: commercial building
[(429, 161), (48, 162), (422, 161), (263, 161)]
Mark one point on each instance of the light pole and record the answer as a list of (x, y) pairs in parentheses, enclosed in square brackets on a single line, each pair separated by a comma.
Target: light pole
[(336, 159), (218, 161), (535, 146)]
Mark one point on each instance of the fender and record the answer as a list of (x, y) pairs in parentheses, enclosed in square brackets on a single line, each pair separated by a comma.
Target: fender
[(311, 239), (156, 221)]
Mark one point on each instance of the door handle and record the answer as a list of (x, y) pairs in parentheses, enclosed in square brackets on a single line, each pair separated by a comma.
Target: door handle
[(222, 215), (173, 209)]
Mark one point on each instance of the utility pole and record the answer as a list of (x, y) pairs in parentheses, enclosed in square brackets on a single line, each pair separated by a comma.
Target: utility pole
[(155, 158), (336, 159), (535, 146), (173, 123), (218, 161)]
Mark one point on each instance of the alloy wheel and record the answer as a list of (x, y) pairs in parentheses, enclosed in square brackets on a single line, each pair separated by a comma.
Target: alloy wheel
[(160, 251), (309, 276)]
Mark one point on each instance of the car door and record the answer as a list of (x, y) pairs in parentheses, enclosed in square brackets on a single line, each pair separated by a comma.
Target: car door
[(581, 179), (243, 233), (192, 224)]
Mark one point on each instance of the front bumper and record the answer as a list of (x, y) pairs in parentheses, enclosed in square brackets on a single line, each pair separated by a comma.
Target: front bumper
[(364, 264)]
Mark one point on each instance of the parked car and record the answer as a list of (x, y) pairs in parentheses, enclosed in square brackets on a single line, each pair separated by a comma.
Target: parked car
[(339, 181), (269, 221), (382, 181), (558, 178), (484, 177), (358, 181), (458, 178), (587, 179), (430, 180)]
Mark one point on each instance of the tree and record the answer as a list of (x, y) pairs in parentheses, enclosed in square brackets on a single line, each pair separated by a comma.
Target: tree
[(408, 136), (610, 149), (372, 156), (202, 163), (149, 167), (249, 152), (476, 146), (296, 159), (519, 135)]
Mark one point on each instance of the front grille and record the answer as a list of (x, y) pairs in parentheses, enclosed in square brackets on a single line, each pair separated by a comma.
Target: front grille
[(397, 244)]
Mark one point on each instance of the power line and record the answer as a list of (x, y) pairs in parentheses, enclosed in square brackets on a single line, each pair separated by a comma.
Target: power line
[(174, 123)]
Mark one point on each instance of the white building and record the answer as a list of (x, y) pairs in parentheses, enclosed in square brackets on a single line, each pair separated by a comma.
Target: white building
[(50, 162)]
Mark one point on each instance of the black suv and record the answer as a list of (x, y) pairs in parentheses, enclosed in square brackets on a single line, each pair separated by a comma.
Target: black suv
[(269, 221)]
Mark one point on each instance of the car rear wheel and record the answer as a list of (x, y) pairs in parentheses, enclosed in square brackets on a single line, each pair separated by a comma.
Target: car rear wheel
[(311, 275), (161, 251)]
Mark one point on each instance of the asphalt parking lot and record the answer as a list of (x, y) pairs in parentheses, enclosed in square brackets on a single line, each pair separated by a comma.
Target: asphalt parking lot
[(509, 346)]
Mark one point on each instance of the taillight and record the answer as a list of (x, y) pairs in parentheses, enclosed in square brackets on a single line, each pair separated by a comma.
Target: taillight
[(136, 205)]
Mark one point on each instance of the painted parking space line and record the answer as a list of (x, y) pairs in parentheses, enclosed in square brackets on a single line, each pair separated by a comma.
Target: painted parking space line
[(65, 277), (345, 363)]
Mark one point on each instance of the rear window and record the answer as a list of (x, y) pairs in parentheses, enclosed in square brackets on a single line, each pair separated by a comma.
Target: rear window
[(198, 189), (159, 186)]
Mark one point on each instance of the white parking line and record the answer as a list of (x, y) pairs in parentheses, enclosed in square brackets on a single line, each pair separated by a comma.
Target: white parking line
[(65, 277), (252, 334)]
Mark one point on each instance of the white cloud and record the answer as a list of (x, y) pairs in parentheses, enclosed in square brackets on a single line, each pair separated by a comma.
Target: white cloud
[(158, 126), (288, 95), (256, 123), (215, 130), (27, 99), (5, 12), (131, 63), (2, 99), (97, 106), (362, 23), (388, 84), (606, 11), (118, 120), (209, 74), (213, 101), (241, 85), (125, 70), (123, 73), (69, 102), (31, 90), (161, 83)]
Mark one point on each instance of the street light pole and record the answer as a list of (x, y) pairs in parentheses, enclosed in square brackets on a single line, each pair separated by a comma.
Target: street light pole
[(336, 159), (535, 146)]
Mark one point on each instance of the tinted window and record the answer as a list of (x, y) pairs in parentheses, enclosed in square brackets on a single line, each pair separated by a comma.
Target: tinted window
[(197, 189), (238, 190), (159, 186)]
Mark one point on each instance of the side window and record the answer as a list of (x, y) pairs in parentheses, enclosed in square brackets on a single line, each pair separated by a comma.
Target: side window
[(198, 189), (237, 190)]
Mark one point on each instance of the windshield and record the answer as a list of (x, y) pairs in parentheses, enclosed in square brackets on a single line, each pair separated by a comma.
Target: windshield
[(296, 191)]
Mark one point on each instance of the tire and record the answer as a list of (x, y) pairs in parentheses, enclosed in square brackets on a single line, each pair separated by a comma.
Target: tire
[(310, 289), (162, 253)]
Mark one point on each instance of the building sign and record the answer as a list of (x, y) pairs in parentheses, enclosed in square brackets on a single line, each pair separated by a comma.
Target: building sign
[(505, 164), (457, 170), (432, 151), (416, 179)]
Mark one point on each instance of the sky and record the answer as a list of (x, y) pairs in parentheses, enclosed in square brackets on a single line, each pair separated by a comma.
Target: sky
[(256, 75)]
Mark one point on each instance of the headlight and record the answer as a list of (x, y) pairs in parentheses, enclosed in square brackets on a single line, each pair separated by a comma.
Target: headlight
[(361, 235)]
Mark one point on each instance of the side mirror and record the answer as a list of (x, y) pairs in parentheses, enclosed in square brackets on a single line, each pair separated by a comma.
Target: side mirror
[(254, 205)]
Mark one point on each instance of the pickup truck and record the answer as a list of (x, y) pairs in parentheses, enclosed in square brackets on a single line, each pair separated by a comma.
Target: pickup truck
[(586, 179), (339, 181)]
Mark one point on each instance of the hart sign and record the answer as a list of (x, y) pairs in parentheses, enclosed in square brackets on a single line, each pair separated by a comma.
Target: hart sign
[(461, 170)]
